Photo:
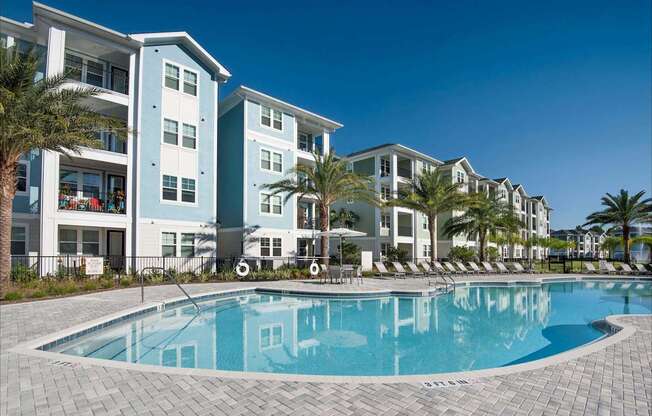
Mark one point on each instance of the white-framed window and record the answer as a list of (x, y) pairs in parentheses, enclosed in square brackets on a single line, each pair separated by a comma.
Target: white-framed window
[(172, 76), (385, 193), (425, 222), (83, 69), (91, 242), (187, 245), (270, 204), (460, 176), (271, 336), (277, 247), (170, 132), (168, 244), (385, 167), (264, 247), (385, 221), (427, 250), (22, 181), (305, 142), (67, 241), (190, 82), (270, 117), (188, 190), (384, 249), (189, 139), (272, 161), (18, 240), (169, 188)]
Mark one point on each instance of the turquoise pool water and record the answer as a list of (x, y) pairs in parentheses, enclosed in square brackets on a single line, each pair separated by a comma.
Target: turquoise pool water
[(472, 328)]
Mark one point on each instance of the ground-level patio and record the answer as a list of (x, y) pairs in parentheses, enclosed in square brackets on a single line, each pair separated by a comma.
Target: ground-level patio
[(615, 379)]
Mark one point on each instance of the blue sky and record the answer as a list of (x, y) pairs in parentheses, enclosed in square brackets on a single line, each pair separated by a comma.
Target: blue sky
[(555, 95)]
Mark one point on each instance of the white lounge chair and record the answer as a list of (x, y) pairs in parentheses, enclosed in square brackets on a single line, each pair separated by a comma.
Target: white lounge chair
[(414, 269), (476, 268), (502, 268), (590, 268), (441, 268), (451, 268), (609, 268), (399, 268), (429, 270), (487, 267), (641, 268), (626, 269), (382, 270), (463, 268)]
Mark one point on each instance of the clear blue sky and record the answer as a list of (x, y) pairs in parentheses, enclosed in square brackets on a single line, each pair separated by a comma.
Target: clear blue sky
[(555, 95)]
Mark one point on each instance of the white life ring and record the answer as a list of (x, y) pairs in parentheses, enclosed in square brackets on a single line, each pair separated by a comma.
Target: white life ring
[(314, 269), (242, 269)]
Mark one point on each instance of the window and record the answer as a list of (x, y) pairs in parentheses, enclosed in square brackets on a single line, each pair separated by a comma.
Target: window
[(189, 136), (21, 177), (384, 249), (168, 244), (427, 250), (67, 241), (169, 188), (276, 247), (460, 177), (271, 161), (271, 118), (68, 182), (172, 76), (187, 245), (94, 73), (271, 336), (385, 169), (270, 204), (425, 223), (385, 221), (305, 142), (264, 247), (91, 185), (188, 190), (18, 241), (385, 192), (170, 132), (91, 242), (73, 66), (189, 82)]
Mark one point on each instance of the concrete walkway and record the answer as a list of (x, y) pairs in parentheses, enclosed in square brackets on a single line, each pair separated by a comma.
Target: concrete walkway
[(615, 380)]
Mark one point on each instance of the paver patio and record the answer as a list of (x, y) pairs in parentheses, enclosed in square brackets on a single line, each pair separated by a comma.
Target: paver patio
[(615, 380)]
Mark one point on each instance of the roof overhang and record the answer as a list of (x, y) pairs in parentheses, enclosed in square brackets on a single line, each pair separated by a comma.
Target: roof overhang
[(397, 147), (169, 38)]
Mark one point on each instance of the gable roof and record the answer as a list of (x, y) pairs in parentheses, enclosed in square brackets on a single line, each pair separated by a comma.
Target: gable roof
[(464, 161), (400, 148)]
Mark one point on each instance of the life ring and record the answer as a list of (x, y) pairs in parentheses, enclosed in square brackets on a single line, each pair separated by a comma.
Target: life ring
[(314, 269), (242, 269)]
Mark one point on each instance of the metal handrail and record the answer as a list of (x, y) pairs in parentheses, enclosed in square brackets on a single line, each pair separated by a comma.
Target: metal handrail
[(170, 277)]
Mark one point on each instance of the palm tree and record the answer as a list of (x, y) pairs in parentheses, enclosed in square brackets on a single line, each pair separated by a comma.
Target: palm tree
[(643, 239), (622, 212), (431, 194), (39, 115), (485, 215), (609, 244), (344, 218), (327, 181)]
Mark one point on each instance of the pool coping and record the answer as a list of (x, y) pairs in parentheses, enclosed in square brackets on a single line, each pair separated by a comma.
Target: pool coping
[(619, 331)]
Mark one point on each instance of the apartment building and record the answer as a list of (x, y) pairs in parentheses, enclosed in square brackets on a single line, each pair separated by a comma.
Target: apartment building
[(587, 243), (260, 139), (154, 194), (393, 165)]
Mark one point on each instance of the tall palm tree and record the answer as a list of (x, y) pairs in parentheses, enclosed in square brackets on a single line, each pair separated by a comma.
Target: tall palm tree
[(622, 212), (609, 244), (39, 115), (431, 194), (327, 181), (485, 216), (344, 218)]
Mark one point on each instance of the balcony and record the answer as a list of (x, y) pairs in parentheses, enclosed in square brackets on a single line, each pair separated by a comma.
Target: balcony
[(96, 73), (307, 223), (90, 201)]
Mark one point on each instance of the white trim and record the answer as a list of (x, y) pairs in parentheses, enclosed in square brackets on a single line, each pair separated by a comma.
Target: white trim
[(79, 230), (245, 146), (181, 68), (27, 164), (271, 206), (214, 174), (25, 226), (271, 161), (178, 201), (269, 141), (272, 112), (177, 245), (178, 223)]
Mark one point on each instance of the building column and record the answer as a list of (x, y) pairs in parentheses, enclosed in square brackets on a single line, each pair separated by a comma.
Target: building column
[(394, 191), (130, 231)]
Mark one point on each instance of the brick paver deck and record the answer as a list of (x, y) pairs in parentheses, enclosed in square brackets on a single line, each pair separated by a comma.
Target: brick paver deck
[(616, 380)]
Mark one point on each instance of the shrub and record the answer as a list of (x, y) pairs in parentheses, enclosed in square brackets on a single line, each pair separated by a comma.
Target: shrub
[(12, 296), (461, 254), (106, 283), (91, 284), (396, 254), (492, 253), (37, 294), (20, 273), (126, 281)]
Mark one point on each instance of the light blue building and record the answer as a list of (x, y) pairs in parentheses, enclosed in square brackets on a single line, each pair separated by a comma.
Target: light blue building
[(260, 139), (152, 195)]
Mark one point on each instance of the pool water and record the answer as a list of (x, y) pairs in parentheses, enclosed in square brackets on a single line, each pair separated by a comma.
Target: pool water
[(473, 328)]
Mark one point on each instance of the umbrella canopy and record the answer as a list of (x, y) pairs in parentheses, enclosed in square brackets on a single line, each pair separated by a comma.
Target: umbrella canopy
[(341, 232)]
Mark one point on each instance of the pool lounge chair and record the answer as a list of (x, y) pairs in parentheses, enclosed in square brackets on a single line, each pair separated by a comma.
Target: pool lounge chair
[(626, 269), (502, 268), (641, 268), (590, 268), (399, 268), (441, 269), (414, 269), (488, 268), (475, 268), (452, 268), (429, 270), (382, 270), (609, 268), (463, 268)]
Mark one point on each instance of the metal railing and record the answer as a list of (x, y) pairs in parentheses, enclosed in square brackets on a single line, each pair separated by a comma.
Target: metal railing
[(170, 277), (96, 74), (91, 201)]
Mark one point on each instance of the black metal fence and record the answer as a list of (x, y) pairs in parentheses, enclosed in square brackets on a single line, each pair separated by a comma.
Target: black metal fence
[(75, 266)]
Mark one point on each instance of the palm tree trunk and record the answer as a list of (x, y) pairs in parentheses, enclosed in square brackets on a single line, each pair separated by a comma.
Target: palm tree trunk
[(432, 228), (481, 242), (7, 192), (626, 243), (323, 226)]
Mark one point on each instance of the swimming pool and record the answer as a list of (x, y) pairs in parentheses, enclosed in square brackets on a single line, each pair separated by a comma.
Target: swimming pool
[(475, 327)]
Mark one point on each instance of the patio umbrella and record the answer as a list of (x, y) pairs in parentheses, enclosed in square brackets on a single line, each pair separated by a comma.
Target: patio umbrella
[(341, 233)]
